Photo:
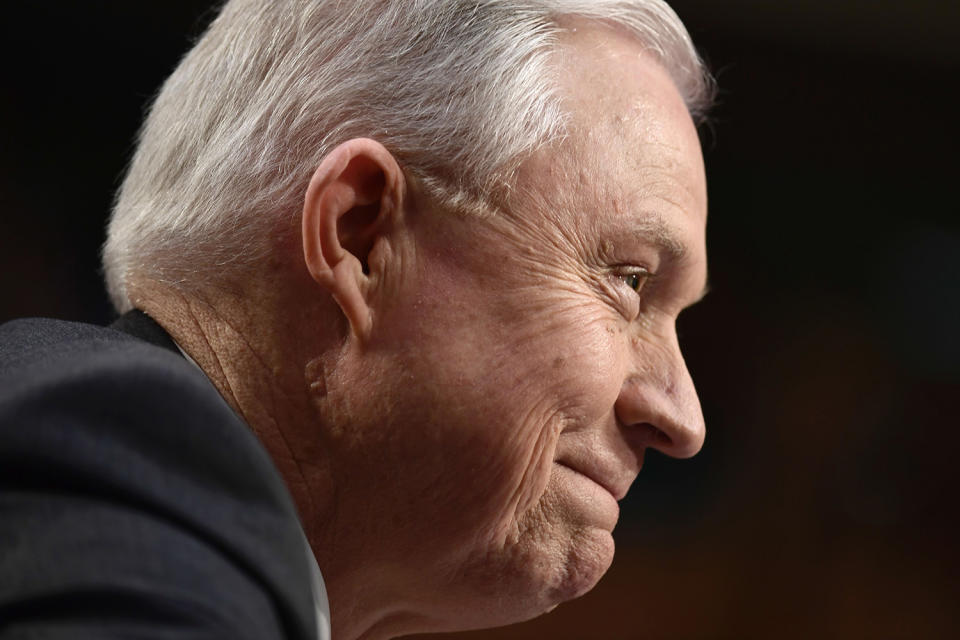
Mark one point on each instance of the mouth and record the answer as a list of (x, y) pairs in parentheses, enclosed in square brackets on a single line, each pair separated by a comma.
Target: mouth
[(618, 491)]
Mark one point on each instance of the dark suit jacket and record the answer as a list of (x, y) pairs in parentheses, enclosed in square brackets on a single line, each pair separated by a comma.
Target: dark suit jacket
[(133, 501)]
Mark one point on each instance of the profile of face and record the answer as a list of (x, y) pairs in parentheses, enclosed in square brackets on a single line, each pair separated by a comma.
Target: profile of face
[(520, 365)]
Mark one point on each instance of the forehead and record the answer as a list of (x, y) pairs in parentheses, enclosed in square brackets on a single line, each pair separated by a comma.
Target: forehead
[(631, 156)]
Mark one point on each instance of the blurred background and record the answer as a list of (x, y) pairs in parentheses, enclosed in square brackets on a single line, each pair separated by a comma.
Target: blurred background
[(827, 356)]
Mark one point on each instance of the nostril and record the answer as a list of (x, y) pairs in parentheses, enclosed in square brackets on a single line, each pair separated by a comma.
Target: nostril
[(662, 438), (644, 434)]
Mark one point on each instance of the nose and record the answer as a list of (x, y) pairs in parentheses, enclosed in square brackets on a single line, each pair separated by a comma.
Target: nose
[(658, 405)]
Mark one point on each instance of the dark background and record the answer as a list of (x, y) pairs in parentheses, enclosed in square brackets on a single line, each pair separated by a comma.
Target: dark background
[(827, 356)]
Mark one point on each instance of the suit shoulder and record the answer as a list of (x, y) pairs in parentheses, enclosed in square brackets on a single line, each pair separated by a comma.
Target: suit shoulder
[(77, 396), (41, 353), (105, 419)]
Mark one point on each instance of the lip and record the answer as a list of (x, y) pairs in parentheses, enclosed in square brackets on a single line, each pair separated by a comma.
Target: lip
[(617, 490)]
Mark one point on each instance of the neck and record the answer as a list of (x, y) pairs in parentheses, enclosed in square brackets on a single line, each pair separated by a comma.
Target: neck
[(251, 368), (269, 380)]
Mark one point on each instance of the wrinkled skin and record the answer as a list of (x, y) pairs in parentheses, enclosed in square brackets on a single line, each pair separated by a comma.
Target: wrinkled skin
[(514, 376)]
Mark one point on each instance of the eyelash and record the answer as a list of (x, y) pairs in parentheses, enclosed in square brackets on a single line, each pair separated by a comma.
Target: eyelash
[(639, 275)]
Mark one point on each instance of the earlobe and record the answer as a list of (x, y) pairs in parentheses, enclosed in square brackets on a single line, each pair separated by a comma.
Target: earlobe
[(352, 199)]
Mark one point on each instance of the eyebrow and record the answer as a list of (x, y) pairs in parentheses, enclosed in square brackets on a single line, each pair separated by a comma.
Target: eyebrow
[(667, 241), (655, 230), (663, 236)]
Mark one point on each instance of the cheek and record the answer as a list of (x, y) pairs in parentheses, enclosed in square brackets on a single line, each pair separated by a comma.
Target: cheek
[(586, 364), (568, 377), (492, 378), (513, 400)]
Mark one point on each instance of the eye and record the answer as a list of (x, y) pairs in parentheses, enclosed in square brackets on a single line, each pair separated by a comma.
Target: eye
[(635, 279)]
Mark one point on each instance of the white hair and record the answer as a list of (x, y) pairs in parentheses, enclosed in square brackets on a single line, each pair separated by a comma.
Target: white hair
[(458, 90)]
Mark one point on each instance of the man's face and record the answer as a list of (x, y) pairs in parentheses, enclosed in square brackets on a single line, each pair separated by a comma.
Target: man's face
[(533, 356)]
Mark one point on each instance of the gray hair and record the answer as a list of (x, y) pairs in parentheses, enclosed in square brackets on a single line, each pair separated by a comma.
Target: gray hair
[(460, 91)]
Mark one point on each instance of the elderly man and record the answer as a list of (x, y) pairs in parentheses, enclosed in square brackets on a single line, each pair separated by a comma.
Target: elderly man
[(399, 283)]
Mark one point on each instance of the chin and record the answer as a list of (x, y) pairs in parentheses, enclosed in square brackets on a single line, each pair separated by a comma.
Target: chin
[(538, 575), (589, 558), (565, 576)]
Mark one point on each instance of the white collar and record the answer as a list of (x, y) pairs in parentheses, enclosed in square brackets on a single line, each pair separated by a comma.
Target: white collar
[(320, 603)]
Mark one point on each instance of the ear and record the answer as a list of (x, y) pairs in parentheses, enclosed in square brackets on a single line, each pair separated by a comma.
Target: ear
[(351, 202)]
